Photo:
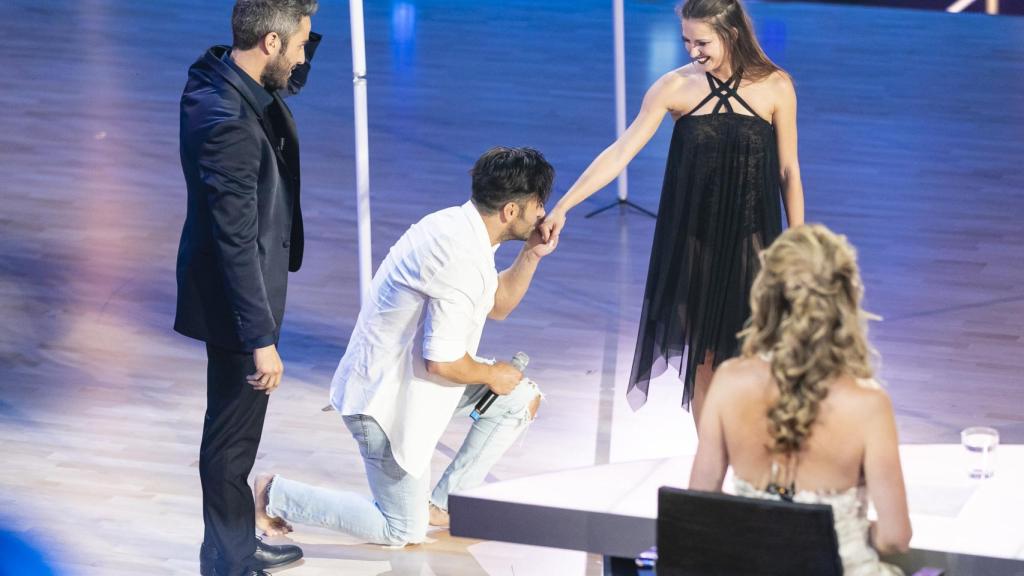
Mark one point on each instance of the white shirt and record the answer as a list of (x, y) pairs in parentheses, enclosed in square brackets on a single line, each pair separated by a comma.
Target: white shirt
[(429, 299)]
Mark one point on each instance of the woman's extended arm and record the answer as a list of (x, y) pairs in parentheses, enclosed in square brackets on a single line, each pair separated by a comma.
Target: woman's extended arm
[(613, 160)]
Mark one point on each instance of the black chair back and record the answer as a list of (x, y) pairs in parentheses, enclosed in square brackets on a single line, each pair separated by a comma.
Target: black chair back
[(705, 533)]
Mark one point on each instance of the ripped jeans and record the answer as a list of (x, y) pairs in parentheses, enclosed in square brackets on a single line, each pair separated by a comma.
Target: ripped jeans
[(399, 513)]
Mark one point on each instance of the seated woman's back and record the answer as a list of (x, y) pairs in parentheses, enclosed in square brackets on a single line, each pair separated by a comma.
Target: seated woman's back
[(799, 415), (832, 457)]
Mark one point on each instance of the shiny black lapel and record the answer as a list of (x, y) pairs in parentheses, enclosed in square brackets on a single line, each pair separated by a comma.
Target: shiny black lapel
[(213, 59)]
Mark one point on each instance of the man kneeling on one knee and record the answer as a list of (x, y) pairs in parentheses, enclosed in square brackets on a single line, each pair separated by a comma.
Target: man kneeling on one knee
[(410, 364)]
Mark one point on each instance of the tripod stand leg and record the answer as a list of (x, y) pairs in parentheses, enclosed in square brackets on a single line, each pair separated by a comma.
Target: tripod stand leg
[(622, 204)]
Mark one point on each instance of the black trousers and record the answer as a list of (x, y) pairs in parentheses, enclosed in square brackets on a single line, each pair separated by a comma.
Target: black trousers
[(231, 436)]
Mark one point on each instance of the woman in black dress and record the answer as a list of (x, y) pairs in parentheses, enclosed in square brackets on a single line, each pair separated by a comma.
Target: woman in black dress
[(732, 165)]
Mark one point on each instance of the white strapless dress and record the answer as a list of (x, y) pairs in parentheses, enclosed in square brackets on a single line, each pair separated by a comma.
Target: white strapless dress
[(849, 510)]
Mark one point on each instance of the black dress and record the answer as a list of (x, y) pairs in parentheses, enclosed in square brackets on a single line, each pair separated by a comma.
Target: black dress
[(720, 206)]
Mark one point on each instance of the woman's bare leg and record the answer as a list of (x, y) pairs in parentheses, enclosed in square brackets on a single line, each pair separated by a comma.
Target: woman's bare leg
[(701, 383)]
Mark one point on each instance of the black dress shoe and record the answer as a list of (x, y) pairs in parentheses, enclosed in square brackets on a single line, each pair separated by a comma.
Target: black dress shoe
[(266, 556), (271, 556), (208, 559)]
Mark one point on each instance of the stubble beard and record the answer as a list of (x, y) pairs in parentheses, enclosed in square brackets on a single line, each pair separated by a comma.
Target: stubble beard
[(276, 73)]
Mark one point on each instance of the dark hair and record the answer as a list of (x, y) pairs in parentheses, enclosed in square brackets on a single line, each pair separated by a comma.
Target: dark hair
[(504, 175), (251, 20), (733, 26)]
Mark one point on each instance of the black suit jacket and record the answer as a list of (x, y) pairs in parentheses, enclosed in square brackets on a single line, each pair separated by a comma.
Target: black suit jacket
[(243, 227)]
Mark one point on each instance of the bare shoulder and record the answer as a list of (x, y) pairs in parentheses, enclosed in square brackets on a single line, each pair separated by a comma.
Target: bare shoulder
[(676, 88), (867, 397), (741, 374), (690, 73), (780, 83), (675, 81), (779, 80)]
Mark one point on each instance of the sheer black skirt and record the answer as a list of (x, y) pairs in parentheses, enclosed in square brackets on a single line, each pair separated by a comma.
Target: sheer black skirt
[(720, 206)]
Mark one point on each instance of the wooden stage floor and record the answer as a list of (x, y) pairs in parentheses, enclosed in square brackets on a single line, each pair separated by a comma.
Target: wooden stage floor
[(910, 126)]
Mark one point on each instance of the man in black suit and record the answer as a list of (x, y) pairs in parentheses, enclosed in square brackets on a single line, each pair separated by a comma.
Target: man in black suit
[(242, 235)]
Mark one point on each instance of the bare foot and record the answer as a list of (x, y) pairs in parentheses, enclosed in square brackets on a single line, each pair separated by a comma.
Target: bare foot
[(438, 517), (269, 525)]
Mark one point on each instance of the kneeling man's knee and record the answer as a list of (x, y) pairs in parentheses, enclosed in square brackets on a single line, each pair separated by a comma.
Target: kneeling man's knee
[(529, 396), (534, 406), (403, 532)]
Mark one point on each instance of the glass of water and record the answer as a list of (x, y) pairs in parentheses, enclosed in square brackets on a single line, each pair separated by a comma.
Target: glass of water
[(980, 443)]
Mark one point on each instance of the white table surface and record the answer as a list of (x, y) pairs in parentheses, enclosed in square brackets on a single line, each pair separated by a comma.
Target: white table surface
[(949, 511)]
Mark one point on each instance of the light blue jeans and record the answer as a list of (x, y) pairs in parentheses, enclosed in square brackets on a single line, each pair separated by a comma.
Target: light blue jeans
[(399, 513)]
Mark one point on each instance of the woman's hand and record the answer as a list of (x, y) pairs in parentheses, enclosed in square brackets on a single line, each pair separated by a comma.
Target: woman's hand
[(552, 225), (537, 247)]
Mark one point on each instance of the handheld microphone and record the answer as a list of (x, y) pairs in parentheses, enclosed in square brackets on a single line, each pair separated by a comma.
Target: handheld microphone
[(519, 362)]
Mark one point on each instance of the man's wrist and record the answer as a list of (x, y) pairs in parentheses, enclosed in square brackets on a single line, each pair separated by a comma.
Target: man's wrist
[(529, 256), (260, 342), (489, 371)]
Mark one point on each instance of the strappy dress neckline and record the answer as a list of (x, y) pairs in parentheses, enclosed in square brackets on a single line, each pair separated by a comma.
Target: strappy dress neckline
[(725, 91)]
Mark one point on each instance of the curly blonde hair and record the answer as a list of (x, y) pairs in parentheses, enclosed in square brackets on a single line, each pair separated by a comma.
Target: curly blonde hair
[(806, 314)]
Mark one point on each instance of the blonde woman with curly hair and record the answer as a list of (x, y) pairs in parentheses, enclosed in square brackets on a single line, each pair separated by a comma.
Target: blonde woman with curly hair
[(799, 415)]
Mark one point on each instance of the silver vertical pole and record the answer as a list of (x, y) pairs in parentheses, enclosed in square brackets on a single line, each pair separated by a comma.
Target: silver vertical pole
[(620, 86), (362, 147), (619, 28)]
